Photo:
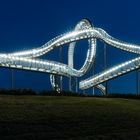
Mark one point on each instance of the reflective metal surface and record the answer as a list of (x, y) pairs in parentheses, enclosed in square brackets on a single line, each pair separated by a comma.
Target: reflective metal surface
[(28, 60)]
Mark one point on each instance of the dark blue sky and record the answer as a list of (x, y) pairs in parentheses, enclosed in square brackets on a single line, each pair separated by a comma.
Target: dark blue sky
[(28, 24)]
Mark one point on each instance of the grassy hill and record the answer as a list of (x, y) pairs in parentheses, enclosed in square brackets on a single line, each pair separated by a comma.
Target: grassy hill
[(72, 118)]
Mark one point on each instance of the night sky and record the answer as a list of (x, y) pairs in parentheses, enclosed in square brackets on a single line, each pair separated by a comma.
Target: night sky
[(26, 24)]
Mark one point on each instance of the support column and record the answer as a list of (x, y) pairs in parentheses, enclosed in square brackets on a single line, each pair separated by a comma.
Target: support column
[(93, 74), (76, 82), (60, 57), (137, 82), (105, 66), (70, 84)]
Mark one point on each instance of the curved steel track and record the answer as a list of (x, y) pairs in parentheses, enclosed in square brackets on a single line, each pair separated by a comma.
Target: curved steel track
[(28, 60)]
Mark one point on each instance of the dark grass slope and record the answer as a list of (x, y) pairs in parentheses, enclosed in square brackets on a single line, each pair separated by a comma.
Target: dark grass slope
[(72, 118), (65, 93)]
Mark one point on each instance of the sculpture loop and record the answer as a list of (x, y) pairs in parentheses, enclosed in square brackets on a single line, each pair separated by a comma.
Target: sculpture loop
[(28, 60)]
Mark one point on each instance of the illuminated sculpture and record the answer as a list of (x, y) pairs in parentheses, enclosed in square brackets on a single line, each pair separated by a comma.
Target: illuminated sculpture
[(27, 60)]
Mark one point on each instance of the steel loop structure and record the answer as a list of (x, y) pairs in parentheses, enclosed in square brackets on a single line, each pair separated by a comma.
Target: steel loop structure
[(29, 59)]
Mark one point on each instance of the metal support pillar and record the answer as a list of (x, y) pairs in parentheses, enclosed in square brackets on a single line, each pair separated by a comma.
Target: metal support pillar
[(137, 82), (105, 65), (76, 82), (70, 84), (60, 57), (55, 81), (93, 74)]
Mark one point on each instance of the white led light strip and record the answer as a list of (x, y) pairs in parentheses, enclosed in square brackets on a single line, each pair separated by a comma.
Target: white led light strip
[(27, 60)]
